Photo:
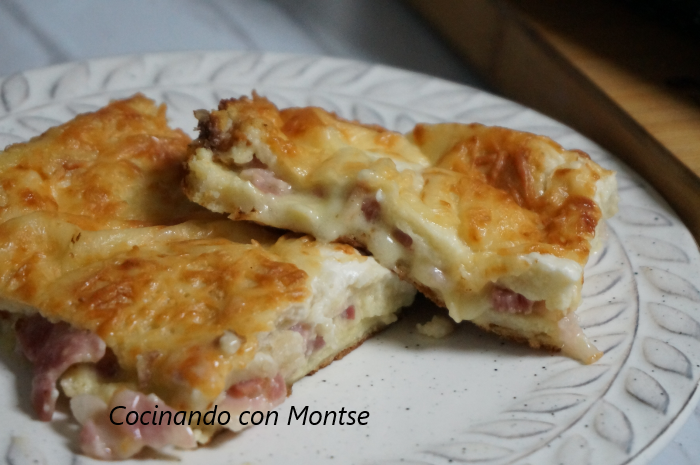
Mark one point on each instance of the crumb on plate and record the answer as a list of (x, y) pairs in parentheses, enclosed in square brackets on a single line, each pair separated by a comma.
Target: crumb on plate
[(438, 327)]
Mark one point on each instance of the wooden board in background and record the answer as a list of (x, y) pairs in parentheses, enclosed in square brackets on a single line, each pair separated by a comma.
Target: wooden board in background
[(647, 69)]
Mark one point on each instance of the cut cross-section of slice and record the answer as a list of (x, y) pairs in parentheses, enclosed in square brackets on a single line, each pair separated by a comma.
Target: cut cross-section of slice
[(492, 223)]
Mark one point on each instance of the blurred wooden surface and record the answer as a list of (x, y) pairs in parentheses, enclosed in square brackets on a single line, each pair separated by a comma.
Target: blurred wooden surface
[(652, 73), (628, 84)]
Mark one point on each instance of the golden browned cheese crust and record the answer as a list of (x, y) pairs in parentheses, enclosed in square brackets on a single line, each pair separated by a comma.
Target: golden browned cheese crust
[(507, 196), (493, 184), (118, 166)]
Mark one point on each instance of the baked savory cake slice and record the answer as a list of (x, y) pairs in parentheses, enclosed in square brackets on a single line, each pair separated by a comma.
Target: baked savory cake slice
[(124, 293), (119, 166), (187, 318), (492, 223)]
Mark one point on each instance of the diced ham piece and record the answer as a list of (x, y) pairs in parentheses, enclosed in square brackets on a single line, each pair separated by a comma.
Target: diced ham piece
[(52, 348), (259, 388), (349, 313), (402, 238), (103, 436), (318, 343), (507, 301), (265, 181), (258, 394), (370, 208), (313, 341)]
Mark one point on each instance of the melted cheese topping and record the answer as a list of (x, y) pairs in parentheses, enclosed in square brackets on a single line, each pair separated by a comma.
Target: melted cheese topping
[(188, 310), (164, 299), (119, 166), (456, 209)]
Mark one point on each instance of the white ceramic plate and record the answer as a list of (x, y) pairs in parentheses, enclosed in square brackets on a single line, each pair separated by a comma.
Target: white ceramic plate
[(468, 398)]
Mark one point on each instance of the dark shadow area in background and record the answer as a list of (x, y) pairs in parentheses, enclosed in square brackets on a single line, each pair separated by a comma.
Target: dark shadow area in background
[(650, 49), (682, 16)]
